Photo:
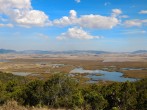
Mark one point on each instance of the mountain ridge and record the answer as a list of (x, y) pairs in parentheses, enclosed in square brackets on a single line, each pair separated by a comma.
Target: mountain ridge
[(9, 51)]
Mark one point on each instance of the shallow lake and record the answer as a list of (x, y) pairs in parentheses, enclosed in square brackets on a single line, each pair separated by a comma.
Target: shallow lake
[(3, 60), (21, 73), (105, 75), (134, 68)]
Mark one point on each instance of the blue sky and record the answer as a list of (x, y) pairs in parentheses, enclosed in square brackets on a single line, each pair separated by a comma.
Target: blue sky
[(109, 25)]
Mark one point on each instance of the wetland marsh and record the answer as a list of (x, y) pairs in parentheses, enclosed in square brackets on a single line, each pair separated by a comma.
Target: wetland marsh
[(91, 67)]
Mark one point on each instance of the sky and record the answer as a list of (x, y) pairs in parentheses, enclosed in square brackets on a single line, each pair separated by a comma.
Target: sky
[(60, 25)]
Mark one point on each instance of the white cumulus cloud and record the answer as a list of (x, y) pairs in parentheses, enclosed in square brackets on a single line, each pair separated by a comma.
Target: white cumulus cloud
[(6, 25), (7, 5), (76, 33), (22, 13), (116, 12), (97, 21), (135, 22), (78, 1), (143, 12), (33, 17), (65, 21), (89, 21)]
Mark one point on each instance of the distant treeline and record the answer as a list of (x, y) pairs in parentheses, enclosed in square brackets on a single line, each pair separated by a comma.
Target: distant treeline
[(62, 91)]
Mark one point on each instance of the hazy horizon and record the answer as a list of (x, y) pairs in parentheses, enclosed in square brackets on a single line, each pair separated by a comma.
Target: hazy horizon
[(72, 50)]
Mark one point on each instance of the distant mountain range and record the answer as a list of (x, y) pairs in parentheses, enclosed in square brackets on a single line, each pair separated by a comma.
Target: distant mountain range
[(7, 51), (140, 52), (4, 51)]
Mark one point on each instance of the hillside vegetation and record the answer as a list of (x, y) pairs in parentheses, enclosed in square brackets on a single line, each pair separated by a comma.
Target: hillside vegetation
[(62, 91)]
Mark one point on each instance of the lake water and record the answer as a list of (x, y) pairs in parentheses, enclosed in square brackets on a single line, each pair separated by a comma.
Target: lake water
[(2, 60), (105, 75), (21, 73), (134, 68)]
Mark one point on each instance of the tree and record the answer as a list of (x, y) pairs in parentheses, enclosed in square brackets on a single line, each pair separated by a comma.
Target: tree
[(95, 100), (60, 91), (2, 93), (112, 94), (141, 87), (128, 96), (33, 93)]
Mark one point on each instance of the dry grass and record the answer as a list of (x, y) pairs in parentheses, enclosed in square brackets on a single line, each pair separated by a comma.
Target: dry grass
[(13, 105), (135, 74)]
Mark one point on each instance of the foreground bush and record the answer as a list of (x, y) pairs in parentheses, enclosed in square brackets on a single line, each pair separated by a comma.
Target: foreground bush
[(62, 91)]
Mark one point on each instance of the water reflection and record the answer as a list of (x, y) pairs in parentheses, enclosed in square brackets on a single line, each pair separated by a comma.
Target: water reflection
[(3, 60), (102, 75), (21, 73)]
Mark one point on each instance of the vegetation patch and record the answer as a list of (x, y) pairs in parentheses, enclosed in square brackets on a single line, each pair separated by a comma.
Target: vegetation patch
[(63, 91)]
